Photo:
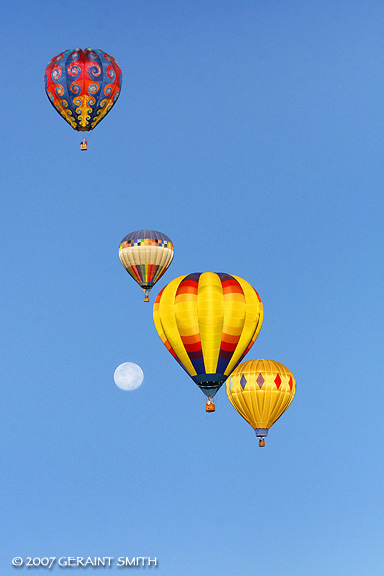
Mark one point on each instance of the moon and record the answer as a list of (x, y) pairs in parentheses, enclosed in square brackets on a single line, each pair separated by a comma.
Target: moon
[(128, 376)]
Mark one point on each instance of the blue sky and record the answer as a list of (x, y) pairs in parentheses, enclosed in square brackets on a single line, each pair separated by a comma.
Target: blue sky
[(251, 133)]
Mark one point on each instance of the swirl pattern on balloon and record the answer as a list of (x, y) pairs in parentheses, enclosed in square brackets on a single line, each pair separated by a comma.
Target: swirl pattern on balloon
[(70, 84), (56, 72)]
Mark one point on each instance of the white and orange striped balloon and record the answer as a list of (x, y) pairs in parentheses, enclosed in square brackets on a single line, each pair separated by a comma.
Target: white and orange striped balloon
[(146, 255)]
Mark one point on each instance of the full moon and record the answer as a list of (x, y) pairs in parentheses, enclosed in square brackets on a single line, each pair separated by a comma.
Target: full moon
[(128, 376)]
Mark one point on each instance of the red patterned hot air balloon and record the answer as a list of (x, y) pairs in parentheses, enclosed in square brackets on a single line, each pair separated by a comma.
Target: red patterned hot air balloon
[(83, 86)]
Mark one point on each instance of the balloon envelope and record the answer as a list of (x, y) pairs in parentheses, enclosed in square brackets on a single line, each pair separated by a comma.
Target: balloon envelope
[(261, 391), (146, 255), (208, 322), (83, 86)]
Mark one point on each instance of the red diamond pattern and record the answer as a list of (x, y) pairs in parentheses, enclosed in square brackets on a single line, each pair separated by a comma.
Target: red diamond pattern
[(290, 383), (278, 381)]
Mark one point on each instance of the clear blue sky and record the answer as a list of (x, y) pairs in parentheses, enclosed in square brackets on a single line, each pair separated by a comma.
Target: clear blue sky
[(252, 134)]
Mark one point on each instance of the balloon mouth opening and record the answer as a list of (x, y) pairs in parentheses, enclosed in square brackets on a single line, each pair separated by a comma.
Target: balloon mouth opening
[(209, 390), (209, 384)]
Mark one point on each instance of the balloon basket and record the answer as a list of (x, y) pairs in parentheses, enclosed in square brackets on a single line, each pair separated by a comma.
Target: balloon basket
[(261, 442), (146, 299), (83, 146), (210, 405)]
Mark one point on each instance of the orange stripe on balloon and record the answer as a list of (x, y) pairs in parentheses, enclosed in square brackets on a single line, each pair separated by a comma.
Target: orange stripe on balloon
[(191, 339), (231, 338)]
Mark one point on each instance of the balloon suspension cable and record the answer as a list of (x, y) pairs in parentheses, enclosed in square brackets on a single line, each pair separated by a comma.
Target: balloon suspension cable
[(210, 405)]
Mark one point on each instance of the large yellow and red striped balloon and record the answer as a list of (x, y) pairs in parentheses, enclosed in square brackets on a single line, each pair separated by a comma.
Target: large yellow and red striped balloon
[(208, 322), (261, 391)]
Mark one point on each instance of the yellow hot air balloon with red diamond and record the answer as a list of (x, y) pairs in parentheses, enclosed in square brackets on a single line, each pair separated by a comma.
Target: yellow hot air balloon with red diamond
[(261, 391), (208, 322)]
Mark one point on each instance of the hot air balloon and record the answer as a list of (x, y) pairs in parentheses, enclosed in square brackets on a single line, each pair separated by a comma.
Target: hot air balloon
[(261, 391), (83, 86), (146, 255), (208, 322)]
